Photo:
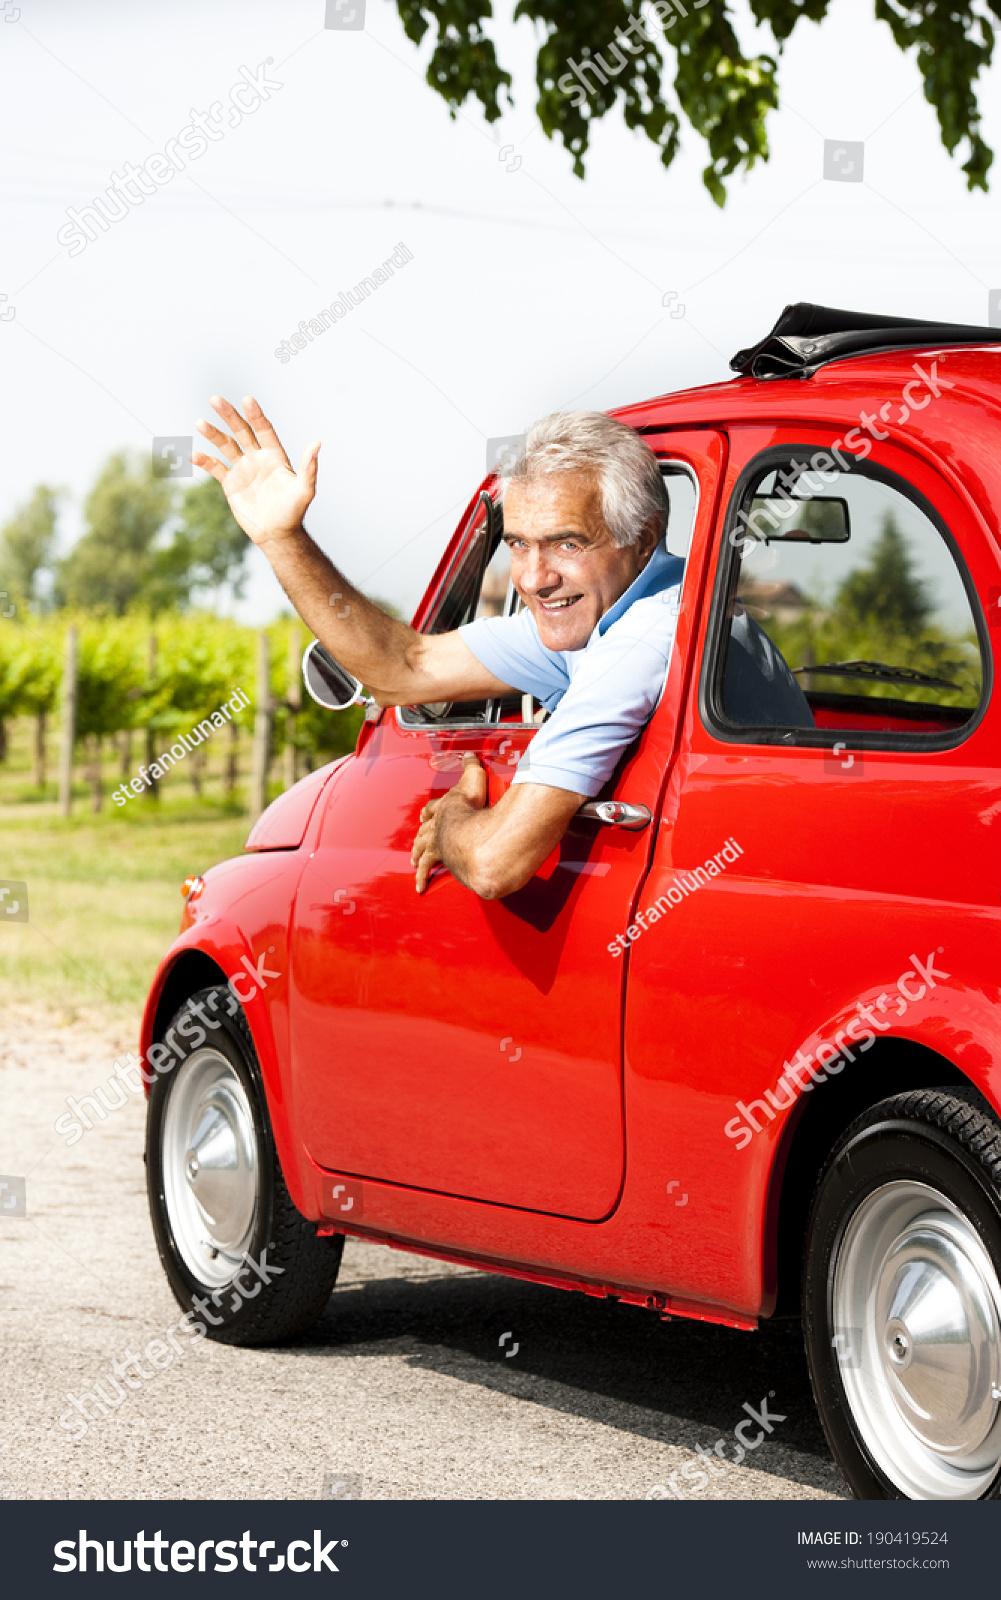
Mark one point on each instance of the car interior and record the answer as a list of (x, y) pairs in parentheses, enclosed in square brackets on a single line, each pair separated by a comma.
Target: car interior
[(860, 599)]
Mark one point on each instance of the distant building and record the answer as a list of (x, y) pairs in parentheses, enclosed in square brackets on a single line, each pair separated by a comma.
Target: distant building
[(777, 601)]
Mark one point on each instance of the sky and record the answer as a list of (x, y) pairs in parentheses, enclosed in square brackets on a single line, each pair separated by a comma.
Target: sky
[(525, 290)]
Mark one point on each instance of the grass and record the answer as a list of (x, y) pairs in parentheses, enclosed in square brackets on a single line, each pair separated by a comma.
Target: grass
[(103, 888), (104, 900)]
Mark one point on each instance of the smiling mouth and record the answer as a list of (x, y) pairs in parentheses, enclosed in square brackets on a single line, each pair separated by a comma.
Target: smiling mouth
[(560, 605)]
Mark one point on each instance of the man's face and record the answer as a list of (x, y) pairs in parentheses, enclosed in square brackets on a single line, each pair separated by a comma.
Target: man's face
[(563, 562)]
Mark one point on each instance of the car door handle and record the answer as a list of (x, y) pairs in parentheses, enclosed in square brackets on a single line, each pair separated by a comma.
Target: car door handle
[(616, 813)]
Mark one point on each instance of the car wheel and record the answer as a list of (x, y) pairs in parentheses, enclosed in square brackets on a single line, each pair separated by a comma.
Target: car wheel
[(902, 1299), (236, 1251)]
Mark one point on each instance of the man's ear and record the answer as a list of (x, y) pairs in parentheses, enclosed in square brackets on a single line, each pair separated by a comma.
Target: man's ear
[(650, 537)]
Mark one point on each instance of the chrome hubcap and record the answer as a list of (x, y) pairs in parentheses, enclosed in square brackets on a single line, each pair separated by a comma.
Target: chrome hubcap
[(210, 1166), (917, 1306)]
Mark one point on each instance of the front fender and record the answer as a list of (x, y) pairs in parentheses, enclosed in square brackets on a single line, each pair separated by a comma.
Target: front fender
[(254, 954)]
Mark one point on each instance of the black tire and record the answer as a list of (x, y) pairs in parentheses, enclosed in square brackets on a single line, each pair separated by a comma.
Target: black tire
[(875, 1240), (289, 1287)]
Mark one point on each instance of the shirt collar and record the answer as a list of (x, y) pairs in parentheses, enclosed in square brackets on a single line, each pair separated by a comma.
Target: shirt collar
[(661, 570)]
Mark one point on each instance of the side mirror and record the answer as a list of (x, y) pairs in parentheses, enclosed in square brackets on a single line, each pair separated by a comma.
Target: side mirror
[(328, 683)]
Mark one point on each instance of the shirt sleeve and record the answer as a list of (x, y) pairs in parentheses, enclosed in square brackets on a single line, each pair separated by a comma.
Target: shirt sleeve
[(611, 697), (511, 649)]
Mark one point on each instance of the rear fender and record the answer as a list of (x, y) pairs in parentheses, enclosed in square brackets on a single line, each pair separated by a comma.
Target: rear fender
[(950, 1037)]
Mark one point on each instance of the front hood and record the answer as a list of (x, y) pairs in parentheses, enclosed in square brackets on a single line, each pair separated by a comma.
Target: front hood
[(284, 823)]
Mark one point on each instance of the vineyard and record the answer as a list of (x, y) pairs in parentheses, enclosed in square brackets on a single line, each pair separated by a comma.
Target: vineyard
[(133, 712)]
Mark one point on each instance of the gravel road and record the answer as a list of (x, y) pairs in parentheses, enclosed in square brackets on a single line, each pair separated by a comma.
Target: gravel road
[(403, 1390)]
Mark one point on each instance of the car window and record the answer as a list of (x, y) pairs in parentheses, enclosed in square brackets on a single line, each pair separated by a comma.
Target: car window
[(683, 493), (842, 608), (479, 585)]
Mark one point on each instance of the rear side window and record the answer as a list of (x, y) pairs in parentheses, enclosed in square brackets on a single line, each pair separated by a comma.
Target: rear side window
[(842, 610)]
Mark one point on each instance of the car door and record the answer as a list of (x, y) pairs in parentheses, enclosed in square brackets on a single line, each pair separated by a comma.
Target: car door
[(859, 843), (450, 1043)]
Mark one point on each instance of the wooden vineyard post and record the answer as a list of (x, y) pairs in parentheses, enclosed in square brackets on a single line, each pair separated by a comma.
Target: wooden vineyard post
[(262, 730), (68, 731), (294, 702)]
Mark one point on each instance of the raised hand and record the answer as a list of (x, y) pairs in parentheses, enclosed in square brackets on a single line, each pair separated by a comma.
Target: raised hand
[(267, 498)]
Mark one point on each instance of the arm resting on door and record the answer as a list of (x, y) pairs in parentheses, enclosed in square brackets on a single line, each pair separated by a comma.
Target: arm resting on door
[(492, 851)]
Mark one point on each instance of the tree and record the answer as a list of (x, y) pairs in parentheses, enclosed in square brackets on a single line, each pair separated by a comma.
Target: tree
[(35, 676), (210, 546), (116, 563), (26, 545), (886, 592), (594, 51), (109, 672), (129, 558)]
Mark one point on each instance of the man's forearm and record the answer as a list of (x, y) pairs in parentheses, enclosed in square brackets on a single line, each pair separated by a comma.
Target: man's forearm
[(496, 850), (373, 646), (468, 844)]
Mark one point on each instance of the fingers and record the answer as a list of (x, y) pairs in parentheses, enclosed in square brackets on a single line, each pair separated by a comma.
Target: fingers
[(425, 867), (308, 465), (473, 783), (210, 464), (232, 418), (266, 434), (421, 840), (222, 441)]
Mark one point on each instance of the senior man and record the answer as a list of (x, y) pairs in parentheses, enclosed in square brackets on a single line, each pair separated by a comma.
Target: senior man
[(585, 511)]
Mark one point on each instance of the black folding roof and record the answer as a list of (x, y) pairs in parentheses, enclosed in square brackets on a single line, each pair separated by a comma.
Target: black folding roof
[(806, 337)]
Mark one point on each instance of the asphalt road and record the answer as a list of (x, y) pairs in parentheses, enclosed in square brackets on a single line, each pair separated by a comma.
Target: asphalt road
[(404, 1390)]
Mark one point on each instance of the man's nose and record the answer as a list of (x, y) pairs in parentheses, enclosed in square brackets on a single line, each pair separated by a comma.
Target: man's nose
[(538, 572)]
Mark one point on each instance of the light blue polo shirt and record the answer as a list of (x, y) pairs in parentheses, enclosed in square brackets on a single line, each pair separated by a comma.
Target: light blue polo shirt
[(599, 697)]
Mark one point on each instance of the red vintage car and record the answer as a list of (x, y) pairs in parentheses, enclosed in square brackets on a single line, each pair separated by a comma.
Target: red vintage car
[(735, 1051)]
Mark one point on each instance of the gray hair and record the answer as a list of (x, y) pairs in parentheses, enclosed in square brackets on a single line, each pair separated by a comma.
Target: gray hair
[(630, 481)]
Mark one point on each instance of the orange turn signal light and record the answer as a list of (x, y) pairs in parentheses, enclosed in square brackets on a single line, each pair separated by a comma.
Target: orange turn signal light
[(191, 888)]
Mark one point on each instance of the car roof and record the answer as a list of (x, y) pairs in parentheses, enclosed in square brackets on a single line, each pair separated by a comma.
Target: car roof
[(968, 377)]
